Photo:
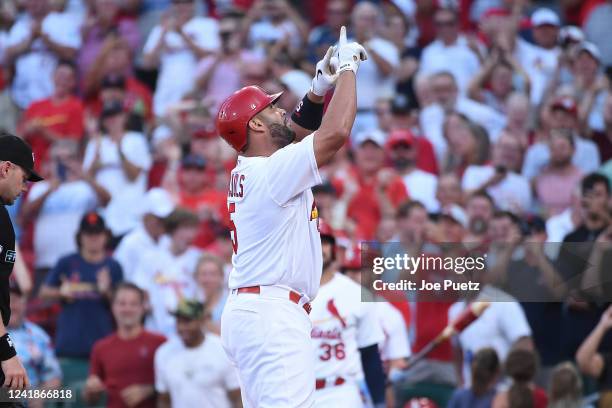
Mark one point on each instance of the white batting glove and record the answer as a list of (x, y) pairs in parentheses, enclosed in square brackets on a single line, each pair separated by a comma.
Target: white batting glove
[(324, 79), (348, 55)]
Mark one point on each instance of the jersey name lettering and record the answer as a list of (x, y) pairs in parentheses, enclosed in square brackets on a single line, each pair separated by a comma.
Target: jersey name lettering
[(236, 187)]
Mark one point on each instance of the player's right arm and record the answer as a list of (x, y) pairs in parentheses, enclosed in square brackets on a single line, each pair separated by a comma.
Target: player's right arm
[(338, 120)]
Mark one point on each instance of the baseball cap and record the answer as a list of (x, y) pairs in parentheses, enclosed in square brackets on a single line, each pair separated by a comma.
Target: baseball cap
[(402, 105), (373, 135), (400, 136), (111, 108), (545, 16), (189, 309), (193, 161), (18, 152), (113, 81), (565, 103), (571, 33), (590, 48), (92, 223), (159, 202)]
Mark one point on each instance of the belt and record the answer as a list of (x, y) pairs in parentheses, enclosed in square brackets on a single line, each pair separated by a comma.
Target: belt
[(321, 383), (294, 296)]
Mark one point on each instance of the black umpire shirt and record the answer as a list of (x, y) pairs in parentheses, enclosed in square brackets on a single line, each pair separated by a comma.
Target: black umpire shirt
[(7, 260)]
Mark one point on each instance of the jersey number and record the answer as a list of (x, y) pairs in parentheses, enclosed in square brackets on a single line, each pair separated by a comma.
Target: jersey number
[(332, 350), (233, 232)]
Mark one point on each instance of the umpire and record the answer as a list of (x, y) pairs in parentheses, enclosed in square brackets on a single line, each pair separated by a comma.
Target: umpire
[(16, 169)]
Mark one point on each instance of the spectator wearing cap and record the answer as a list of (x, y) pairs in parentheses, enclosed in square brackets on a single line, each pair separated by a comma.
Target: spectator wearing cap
[(371, 190), (193, 369), (101, 22), (555, 184), (149, 235), (322, 37), (35, 44), (119, 160), (167, 273), (34, 345), (563, 114), (597, 29), (539, 60), (447, 100), (83, 283), (57, 205), (450, 45), (193, 187), (122, 363), (404, 116), (509, 189), (377, 79), (175, 46), (58, 117), (402, 148), (114, 61)]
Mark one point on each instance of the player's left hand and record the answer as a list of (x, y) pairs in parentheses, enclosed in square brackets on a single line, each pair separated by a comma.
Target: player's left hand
[(324, 79)]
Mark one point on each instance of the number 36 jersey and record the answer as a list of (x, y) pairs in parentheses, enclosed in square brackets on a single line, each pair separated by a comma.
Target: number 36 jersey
[(341, 325), (274, 220)]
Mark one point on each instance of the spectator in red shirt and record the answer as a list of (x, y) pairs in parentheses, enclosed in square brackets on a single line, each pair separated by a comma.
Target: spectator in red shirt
[(122, 363), (192, 186), (54, 118), (371, 190)]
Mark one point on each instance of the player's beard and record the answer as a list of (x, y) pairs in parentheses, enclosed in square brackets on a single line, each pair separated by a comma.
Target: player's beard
[(282, 135)]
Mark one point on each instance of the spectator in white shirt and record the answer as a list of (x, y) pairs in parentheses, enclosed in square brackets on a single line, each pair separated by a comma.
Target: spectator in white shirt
[(376, 79), (193, 369), (402, 148), (167, 273), (450, 51), (36, 42), (120, 161), (562, 114), (447, 98), (58, 204), (175, 46), (149, 235), (510, 191)]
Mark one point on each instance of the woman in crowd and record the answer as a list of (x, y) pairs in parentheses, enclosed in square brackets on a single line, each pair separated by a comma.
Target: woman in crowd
[(210, 278), (485, 373), (468, 143)]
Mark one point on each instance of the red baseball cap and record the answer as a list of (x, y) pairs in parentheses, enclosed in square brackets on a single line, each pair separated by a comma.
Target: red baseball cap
[(400, 136), (565, 103)]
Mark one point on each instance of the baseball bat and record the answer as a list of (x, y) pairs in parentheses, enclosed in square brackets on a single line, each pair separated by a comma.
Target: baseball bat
[(467, 317)]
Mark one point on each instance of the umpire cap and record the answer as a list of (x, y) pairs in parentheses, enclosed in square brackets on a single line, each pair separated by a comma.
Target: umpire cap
[(18, 152)]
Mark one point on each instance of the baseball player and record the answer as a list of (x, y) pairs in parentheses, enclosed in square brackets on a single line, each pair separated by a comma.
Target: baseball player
[(276, 271), (345, 334)]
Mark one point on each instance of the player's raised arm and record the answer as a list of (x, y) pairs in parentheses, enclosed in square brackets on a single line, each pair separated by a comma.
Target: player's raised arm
[(338, 120)]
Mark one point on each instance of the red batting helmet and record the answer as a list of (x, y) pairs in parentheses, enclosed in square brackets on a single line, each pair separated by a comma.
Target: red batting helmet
[(238, 109)]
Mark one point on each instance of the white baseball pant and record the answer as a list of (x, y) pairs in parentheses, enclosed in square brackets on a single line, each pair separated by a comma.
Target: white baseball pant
[(267, 338)]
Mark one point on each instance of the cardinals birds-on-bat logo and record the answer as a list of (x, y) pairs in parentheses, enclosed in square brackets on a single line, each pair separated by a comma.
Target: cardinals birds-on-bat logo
[(331, 307)]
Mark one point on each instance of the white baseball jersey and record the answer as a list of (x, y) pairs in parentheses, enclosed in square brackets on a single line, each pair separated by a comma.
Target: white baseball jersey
[(395, 344), (274, 220), (341, 325)]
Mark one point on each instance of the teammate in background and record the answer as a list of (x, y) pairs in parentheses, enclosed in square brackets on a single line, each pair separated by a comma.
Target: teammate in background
[(277, 248), (343, 328)]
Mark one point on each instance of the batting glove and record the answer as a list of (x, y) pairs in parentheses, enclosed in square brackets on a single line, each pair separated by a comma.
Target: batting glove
[(324, 79), (348, 55)]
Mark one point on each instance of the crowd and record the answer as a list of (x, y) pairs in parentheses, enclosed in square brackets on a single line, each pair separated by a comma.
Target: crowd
[(483, 122)]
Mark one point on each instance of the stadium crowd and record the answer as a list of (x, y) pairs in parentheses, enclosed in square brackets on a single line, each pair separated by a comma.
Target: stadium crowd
[(486, 122)]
